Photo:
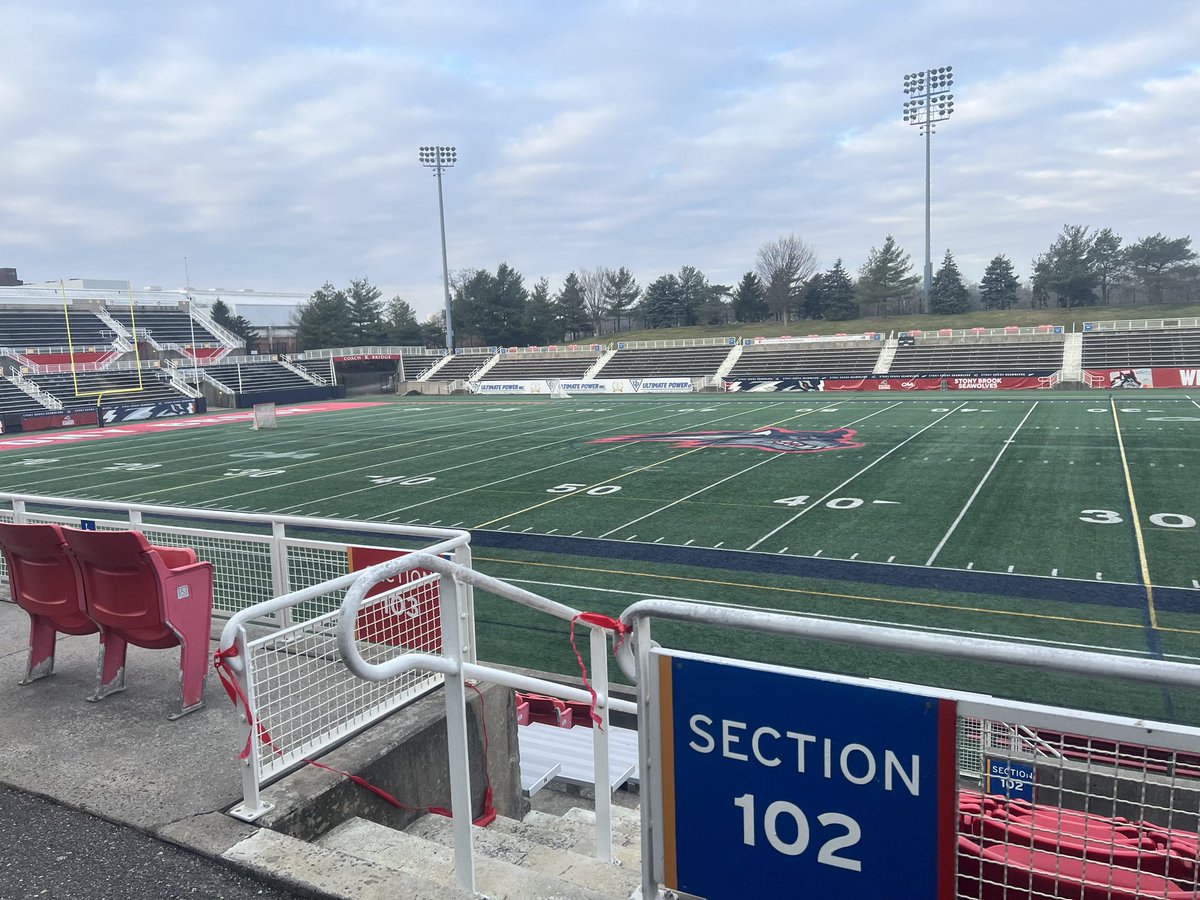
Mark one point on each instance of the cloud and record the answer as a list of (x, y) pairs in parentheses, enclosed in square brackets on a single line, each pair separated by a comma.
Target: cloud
[(280, 150)]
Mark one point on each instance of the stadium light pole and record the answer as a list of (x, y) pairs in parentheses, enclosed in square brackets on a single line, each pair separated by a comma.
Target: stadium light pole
[(928, 103), (439, 158)]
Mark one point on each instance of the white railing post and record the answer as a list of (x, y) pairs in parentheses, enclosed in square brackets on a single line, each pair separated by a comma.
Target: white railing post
[(281, 582), (600, 758), (648, 739), (458, 752), (466, 605), (239, 668)]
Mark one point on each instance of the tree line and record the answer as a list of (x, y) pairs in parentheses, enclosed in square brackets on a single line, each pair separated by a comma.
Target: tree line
[(1080, 268)]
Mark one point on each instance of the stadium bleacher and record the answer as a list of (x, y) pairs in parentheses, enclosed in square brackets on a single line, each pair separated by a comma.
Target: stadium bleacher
[(268, 375), (543, 365), (81, 389), (666, 362), (41, 328), (15, 400), (937, 354), (458, 367), (1150, 347), (809, 358), (165, 326)]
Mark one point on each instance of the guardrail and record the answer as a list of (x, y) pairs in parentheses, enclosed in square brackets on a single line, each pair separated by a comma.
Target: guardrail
[(1142, 324)]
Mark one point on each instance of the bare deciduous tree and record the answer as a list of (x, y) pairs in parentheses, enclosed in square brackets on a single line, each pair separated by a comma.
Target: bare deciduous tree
[(592, 283), (783, 266)]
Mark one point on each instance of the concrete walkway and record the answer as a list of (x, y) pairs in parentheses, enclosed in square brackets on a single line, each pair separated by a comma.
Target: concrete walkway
[(120, 760)]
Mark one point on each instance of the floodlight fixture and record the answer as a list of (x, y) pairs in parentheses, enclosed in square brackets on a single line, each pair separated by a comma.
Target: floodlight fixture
[(439, 158), (930, 102)]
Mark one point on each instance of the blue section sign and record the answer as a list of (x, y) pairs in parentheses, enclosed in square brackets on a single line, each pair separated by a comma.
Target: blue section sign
[(777, 783), (1011, 778)]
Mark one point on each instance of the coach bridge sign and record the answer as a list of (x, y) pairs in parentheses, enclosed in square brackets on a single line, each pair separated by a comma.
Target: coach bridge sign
[(780, 783)]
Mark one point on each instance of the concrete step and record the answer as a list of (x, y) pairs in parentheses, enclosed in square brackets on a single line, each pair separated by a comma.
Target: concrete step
[(624, 820), (579, 837), (308, 870), (413, 855), (521, 848)]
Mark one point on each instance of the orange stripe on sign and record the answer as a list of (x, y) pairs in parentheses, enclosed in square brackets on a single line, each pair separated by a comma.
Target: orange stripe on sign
[(666, 731)]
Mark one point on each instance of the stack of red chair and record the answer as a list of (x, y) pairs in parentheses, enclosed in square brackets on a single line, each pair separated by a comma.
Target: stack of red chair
[(1010, 848)]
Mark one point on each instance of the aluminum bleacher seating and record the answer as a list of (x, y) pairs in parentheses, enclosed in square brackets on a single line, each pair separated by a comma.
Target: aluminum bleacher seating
[(666, 362), (1137, 348), (935, 354), (15, 400), (268, 375), (543, 365), (30, 329), (459, 367), (165, 326), (82, 389), (774, 360)]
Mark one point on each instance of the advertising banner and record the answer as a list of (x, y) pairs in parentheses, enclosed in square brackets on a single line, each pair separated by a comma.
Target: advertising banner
[(593, 386), (42, 421), (924, 381), (1143, 378), (166, 410)]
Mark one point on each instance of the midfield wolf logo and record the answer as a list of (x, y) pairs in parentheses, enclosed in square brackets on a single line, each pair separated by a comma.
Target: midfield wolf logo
[(772, 440)]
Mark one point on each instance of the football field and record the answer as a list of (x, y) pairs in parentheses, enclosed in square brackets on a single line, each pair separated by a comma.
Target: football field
[(1044, 517)]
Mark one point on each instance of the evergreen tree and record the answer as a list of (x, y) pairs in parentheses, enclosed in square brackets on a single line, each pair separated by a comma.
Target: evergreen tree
[(661, 302), (716, 309), (571, 310), (750, 300), (324, 320), (886, 276), (238, 325), (366, 313), (621, 293), (998, 288), (540, 322), (838, 294), (401, 324), (1109, 260), (1071, 269), (812, 297), (1158, 262), (693, 292), (948, 294)]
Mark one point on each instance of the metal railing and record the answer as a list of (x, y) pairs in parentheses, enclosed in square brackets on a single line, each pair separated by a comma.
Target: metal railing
[(1142, 324)]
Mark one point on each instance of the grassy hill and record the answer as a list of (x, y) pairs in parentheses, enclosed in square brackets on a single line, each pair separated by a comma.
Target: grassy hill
[(1070, 319)]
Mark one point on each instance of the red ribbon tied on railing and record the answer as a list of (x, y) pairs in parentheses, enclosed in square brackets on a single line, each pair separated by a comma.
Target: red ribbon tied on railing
[(600, 621)]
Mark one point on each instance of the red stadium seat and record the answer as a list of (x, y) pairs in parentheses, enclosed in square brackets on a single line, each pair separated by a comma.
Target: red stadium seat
[(149, 596), (41, 579), (547, 710)]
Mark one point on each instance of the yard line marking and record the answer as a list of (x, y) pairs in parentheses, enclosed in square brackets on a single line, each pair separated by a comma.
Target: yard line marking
[(818, 553), (865, 468), (1195, 583), (854, 556), (784, 550), (657, 539), (574, 535), (1054, 573), (1010, 568), (717, 545), (685, 543), (1133, 514), (979, 487), (1099, 576), (971, 565), (551, 531), (610, 480), (890, 558)]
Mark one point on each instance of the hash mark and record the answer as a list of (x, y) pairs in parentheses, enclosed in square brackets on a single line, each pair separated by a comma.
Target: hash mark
[(1196, 584), (717, 544), (890, 558), (970, 565), (1010, 568), (685, 543), (577, 533), (1099, 576), (784, 550), (1054, 573), (818, 553), (854, 556), (551, 531)]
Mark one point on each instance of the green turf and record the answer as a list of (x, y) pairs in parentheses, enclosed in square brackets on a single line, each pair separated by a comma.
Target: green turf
[(1031, 484)]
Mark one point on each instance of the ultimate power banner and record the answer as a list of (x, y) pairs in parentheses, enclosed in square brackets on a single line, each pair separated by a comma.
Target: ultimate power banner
[(923, 381)]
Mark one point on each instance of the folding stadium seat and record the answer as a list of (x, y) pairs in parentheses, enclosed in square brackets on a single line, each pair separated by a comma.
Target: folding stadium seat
[(149, 596), (41, 579), (547, 710)]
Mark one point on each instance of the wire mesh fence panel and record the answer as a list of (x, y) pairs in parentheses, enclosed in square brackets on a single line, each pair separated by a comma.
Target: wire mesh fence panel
[(1076, 810), (304, 697)]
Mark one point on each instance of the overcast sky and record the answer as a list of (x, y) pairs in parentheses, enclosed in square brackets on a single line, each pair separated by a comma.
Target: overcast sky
[(275, 145)]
